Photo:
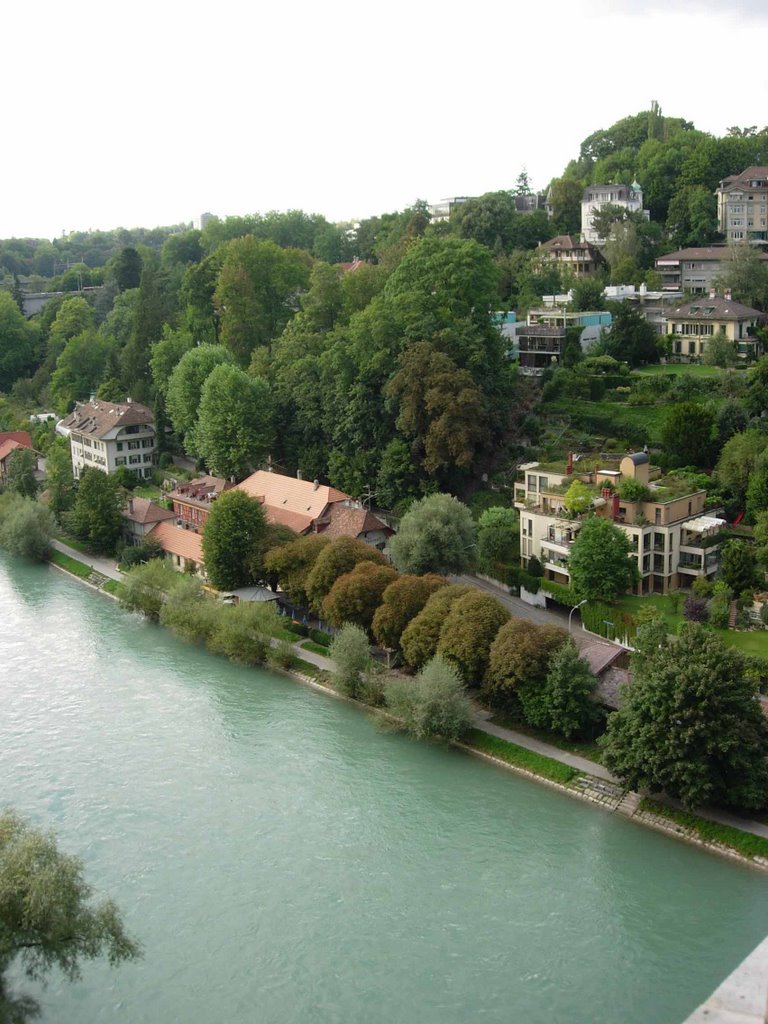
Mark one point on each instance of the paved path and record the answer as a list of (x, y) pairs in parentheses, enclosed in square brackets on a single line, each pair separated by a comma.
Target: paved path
[(105, 566), (581, 764)]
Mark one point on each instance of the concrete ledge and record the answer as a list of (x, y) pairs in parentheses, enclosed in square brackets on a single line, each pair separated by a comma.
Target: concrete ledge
[(743, 996)]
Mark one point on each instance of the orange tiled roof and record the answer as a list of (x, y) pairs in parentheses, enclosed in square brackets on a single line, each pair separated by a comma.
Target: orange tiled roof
[(344, 521), (6, 447), (23, 438), (295, 503), (178, 541)]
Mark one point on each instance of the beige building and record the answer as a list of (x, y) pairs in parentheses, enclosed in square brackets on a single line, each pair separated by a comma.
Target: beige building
[(672, 540), (107, 435), (694, 324), (742, 206)]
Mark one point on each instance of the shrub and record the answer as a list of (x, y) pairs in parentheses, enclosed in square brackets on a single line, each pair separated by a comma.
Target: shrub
[(535, 568), (702, 587), (321, 637), (26, 527), (145, 587), (435, 703), (351, 652), (695, 609), (562, 595), (236, 634), (719, 610), (282, 655), (187, 613)]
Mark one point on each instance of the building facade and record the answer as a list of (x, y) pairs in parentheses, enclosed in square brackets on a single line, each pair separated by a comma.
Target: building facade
[(570, 253), (694, 270), (673, 541), (742, 206), (628, 197), (107, 435), (542, 341), (694, 324), (192, 500)]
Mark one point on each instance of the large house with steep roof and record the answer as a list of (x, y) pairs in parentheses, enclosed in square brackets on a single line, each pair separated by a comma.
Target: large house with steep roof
[(742, 206), (192, 499), (140, 516), (184, 548), (695, 323), (107, 435), (694, 269), (306, 506)]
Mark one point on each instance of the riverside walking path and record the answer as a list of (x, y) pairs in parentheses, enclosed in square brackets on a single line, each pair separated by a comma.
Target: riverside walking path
[(108, 568)]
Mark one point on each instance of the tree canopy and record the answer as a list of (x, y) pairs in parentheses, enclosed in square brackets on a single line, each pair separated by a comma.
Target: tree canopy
[(233, 539), (437, 534), (600, 563), (691, 725)]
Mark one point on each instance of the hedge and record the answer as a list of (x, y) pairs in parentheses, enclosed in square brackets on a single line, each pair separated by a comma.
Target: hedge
[(559, 593)]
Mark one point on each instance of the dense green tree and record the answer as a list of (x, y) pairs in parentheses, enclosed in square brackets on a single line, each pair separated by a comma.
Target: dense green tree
[(26, 527), (435, 703), (146, 586), (351, 652), (47, 918), (336, 559), (166, 354), (256, 292), (437, 534), (58, 477), (692, 216), (79, 368), (731, 419), (239, 634), (400, 603), (737, 566), (520, 656), (421, 636), (746, 274), (564, 702), (631, 339), (292, 562), (720, 351), (498, 533), (600, 561), (565, 198), (96, 515), (356, 595), (578, 498), (469, 629), (16, 343), (234, 533), (738, 461), (234, 430), (686, 436), (152, 310), (185, 386), (126, 268), (398, 477), (587, 294), (691, 724), (21, 479)]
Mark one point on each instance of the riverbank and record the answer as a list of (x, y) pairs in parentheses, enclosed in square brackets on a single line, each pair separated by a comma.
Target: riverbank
[(576, 776)]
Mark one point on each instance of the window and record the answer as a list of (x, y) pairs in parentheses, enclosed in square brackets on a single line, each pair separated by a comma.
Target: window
[(531, 482), (120, 460), (132, 445), (133, 459), (543, 483), (120, 447), (87, 442), (657, 517), (147, 442)]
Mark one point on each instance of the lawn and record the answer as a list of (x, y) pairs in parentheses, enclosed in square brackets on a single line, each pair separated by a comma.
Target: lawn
[(151, 491), (584, 748), (752, 642), (680, 369), (612, 419), (71, 542), (310, 645), (520, 757)]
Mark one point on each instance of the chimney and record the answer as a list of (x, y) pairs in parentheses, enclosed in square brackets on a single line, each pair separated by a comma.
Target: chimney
[(316, 483), (727, 295), (298, 474), (713, 293), (129, 400), (569, 465), (597, 470), (615, 509)]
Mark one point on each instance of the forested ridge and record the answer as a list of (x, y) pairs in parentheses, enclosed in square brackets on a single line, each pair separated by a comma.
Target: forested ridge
[(253, 338)]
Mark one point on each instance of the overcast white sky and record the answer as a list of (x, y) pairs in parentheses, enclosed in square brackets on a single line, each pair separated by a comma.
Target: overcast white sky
[(149, 113)]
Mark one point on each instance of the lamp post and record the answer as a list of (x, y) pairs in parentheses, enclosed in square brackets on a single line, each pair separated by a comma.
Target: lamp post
[(570, 613)]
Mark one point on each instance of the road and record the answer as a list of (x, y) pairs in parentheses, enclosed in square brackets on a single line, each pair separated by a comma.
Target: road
[(105, 566)]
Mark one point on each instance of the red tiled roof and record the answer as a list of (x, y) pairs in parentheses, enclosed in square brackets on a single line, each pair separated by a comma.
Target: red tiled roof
[(142, 510), (344, 521), (302, 500), (178, 541), (21, 436)]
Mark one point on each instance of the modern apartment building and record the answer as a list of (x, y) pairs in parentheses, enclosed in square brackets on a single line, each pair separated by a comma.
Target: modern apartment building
[(107, 435), (742, 206), (542, 341), (629, 197), (694, 270), (673, 540)]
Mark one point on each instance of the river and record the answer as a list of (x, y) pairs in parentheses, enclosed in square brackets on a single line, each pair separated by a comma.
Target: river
[(284, 861)]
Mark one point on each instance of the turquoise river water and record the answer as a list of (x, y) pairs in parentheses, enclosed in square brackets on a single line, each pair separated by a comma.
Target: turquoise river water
[(284, 862)]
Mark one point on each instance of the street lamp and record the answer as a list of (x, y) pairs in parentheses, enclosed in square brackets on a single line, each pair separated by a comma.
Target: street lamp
[(570, 613)]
